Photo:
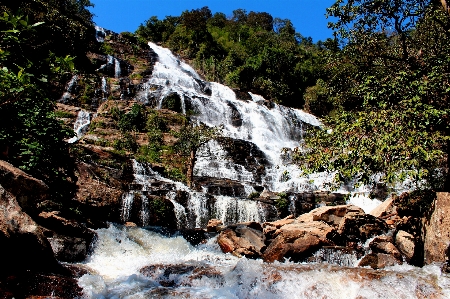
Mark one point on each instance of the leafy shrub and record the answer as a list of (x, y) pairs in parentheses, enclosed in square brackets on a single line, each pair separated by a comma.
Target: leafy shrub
[(254, 195), (127, 142)]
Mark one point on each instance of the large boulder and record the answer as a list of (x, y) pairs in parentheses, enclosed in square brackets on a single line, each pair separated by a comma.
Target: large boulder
[(406, 244), (70, 240), (297, 241), (243, 239), (385, 244), (356, 227), (437, 230), (330, 214), (23, 244), (378, 261), (384, 209), (28, 191)]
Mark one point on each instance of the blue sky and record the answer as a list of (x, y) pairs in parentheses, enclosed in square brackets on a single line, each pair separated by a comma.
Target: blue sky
[(308, 16)]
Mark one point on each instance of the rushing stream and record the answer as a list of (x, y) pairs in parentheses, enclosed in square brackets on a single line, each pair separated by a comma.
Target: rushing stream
[(137, 263)]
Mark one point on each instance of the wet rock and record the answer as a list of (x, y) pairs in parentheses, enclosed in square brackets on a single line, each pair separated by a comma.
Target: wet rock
[(214, 225), (217, 186), (242, 240), (23, 244), (437, 230), (246, 154), (378, 261), (127, 88), (330, 214), (194, 236), (355, 227), (298, 241), (405, 243), (236, 117), (28, 191), (384, 244), (181, 274)]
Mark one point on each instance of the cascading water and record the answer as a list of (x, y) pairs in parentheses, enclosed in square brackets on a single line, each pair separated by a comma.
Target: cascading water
[(136, 263), (199, 207), (274, 130), (69, 88), (81, 125)]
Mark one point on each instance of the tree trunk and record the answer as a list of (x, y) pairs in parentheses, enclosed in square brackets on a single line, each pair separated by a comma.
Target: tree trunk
[(190, 171), (447, 178)]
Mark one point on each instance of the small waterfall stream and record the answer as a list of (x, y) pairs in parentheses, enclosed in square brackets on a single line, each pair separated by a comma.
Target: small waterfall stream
[(81, 125)]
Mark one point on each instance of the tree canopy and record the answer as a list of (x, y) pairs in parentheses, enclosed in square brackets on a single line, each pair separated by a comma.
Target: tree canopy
[(249, 50), (387, 94)]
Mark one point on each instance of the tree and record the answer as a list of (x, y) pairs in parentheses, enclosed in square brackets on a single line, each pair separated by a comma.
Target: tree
[(191, 138), (390, 90)]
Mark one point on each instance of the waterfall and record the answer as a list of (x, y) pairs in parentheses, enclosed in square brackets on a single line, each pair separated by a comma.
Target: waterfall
[(272, 129), (81, 125), (100, 34), (69, 89)]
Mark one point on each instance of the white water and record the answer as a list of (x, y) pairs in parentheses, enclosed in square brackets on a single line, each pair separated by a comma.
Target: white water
[(81, 125), (276, 131), (183, 271), (196, 212), (69, 86)]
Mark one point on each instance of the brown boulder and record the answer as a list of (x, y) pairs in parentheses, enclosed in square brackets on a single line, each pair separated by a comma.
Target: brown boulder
[(356, 227), (437, 230), (330, 214), (384, 244), (99, 200), (385, 208), (23, 244), (298, 241), (242, 240), (214, 225), (28, 190), (378, 261), (406, 244)]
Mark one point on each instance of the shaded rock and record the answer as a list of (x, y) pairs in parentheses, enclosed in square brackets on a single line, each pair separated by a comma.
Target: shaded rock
[(406, 244), (38, 285), (298, 241), (28, 191), (217, 186), (330, 214), (355, 227), (194, 236), (437, 230), (236, 117), (181, 274), (23, 244), (100, 201), (242, 240), (384, 244), (378, 261), (214, 225)]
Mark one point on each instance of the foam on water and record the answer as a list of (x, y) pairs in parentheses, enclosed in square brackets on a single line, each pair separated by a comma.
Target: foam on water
[(179, 270)]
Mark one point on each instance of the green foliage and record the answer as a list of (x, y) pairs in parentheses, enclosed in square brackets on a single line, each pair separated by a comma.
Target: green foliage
[(282, 203), (254, 195), (175, 174), (63, 114), (150, 153), (389, 92), (127, 142), (133, 120), (251, 51)]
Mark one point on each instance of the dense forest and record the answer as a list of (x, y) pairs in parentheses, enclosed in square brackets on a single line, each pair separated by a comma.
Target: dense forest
[(381, 85)]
